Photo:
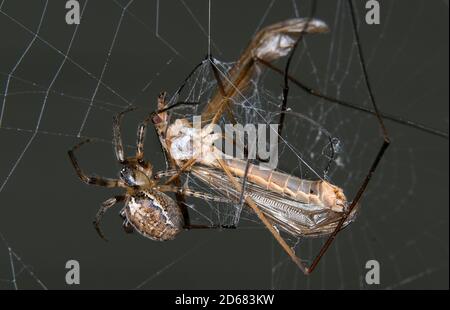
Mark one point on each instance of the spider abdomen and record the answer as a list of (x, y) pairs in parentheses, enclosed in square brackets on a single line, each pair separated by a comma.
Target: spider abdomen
[(155, 215)]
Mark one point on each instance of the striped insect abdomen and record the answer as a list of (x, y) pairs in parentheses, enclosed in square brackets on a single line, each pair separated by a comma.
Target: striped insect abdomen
[(314, 192)]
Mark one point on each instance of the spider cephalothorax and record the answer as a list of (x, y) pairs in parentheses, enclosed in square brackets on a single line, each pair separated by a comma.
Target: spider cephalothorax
[(136, 174)]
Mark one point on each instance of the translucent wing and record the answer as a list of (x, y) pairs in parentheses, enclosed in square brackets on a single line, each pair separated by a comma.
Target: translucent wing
[(292, 216)]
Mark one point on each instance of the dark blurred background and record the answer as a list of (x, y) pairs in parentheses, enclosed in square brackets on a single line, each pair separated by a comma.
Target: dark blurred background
[(46, 212)]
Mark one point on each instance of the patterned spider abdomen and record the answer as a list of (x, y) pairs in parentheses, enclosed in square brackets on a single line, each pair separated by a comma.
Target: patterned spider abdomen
[(155, 215)]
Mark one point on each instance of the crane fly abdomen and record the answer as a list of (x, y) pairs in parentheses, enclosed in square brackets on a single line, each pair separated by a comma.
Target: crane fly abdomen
[(186, 143), (154, 214), (313, 192), (299, 206), (298, 218)]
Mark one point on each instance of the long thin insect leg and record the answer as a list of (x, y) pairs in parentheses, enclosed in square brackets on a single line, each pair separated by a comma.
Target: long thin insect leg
[(286, 89), (189, 76), (250, 202), (373, 167), (176, 105), (286, 73), (222, 91), (318, 94)]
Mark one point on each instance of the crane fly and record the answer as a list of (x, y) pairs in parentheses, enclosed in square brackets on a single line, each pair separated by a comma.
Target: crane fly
[(283, 202), (300, 207)]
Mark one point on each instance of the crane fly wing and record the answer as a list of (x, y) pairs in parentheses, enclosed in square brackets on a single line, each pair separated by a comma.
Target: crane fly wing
[(294, 217), (269, 44)]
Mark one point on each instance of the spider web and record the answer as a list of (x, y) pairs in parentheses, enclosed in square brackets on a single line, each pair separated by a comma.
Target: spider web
[(61, 83)]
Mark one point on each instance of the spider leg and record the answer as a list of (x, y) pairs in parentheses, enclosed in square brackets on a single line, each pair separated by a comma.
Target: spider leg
[(153, 117), (117, 138), (126, 225), (93, 180), (140, 139), (105, 206)]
